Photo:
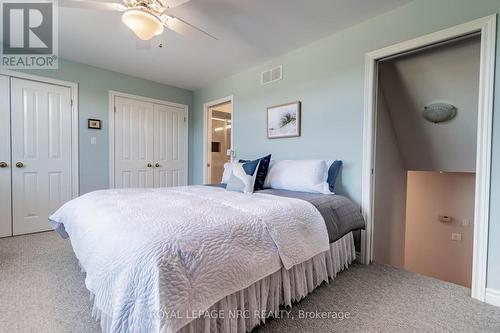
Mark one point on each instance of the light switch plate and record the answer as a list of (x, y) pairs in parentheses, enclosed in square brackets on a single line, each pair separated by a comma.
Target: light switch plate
[(456, 236), (93, 140)]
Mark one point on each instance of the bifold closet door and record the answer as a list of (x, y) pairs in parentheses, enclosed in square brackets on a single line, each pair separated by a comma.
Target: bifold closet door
[(134, 152), (170, 157), (5, 165), (41, 152)]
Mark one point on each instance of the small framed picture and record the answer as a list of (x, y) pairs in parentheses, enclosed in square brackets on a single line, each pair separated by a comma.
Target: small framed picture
[(94, 123), (283, 121)]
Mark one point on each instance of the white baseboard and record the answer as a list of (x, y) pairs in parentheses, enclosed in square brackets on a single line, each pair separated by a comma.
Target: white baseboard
[(492, 297)]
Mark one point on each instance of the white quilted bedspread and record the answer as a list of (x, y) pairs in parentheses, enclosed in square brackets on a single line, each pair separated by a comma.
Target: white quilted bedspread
[(154, 258)]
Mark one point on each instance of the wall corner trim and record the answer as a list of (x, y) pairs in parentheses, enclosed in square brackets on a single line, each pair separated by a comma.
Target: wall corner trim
[(492, 297)]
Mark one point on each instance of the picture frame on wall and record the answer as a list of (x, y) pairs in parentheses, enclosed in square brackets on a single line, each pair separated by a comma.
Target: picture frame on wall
[(94, 124), (283, 121)]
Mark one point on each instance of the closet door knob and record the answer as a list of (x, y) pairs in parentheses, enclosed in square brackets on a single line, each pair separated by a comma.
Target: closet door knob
[(149, 165), (157, 165), (19, 164), (3, 164)]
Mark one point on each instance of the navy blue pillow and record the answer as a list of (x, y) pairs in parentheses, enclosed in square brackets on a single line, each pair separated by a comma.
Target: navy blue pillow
[(261, 171), (333, 172), (250, 166)]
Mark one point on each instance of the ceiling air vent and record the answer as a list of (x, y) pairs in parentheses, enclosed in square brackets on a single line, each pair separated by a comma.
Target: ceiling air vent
[(271, 75)]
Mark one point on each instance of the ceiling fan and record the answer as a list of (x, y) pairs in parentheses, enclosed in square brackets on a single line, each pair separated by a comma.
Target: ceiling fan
[(146, 18)]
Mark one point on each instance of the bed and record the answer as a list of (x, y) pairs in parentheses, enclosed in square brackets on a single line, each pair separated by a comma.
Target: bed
[(203, 259)]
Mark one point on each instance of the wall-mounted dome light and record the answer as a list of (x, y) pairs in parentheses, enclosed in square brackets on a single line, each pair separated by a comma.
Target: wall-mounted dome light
[(439, 112)]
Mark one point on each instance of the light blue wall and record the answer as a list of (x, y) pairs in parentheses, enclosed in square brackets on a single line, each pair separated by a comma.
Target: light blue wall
[(94, 85), (327, 76)]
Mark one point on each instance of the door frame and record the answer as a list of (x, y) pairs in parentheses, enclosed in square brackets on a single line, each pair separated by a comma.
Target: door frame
[(487, 27), (75, 148), (111, 118), (206, 123)]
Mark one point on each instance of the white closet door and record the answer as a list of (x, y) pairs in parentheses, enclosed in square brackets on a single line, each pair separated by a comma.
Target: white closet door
[(5, 166), (170, 145), (133, 143), (41, 152)]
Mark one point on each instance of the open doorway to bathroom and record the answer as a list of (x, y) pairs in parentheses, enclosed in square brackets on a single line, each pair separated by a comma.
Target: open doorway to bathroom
[(218, 129)]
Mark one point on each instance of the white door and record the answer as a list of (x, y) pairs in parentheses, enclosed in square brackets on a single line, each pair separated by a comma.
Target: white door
[(41, 152), (5, 165), (169, 146), (134, 135), (149, 144)]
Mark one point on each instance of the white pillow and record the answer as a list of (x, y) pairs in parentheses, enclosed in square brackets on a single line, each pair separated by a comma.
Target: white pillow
[(299, 175), (228, 169)]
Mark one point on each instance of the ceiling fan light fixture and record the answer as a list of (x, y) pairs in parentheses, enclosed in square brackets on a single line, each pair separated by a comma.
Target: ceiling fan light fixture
[(144, 24)]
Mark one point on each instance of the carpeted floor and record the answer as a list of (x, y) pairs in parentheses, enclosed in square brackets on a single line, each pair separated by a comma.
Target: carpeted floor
[(42, 290)]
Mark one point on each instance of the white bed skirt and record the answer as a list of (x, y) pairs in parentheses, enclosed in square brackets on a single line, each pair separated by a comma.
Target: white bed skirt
[(244, 310)]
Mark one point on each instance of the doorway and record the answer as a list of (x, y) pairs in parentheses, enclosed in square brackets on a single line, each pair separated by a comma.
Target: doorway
[(425, 163), (218, 138), (485, 28)]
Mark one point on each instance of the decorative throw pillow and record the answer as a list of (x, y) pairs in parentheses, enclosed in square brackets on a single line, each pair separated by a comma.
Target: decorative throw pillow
[(261, 171), (228, 169), (333, 172), (242, 177)]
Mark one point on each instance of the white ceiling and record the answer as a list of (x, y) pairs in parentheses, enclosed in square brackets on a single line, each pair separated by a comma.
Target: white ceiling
[(448, 73), (249, 32)]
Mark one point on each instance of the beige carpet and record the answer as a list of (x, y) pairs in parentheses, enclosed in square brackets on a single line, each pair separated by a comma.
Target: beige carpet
[(42, 290)]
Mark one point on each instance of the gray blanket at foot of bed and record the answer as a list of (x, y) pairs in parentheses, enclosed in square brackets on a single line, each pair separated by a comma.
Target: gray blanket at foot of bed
[(341, 215)]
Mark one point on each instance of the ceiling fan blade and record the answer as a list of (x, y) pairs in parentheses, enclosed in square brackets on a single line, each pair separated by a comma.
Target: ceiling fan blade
[(187, 29), (89, 4), (175, 3)]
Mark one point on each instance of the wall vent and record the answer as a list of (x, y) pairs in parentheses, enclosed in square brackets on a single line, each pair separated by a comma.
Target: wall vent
[(271, 75)]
